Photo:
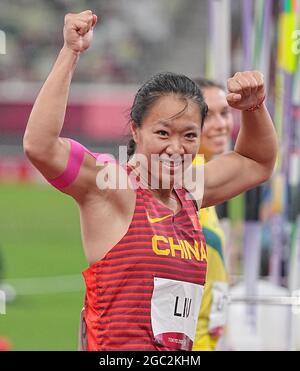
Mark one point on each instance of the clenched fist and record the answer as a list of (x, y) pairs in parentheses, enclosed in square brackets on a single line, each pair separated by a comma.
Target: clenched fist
[(78, 30), (246, 90)]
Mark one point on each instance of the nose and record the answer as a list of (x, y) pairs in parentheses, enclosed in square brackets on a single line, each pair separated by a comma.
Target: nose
[(220, 122), (175, 147)]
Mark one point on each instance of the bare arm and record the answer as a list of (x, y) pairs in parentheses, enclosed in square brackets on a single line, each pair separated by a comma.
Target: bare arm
[(253, 158), (42, 142)]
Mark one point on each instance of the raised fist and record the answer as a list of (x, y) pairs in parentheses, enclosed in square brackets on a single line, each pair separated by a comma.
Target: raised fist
[(78, 30), (246, 90)]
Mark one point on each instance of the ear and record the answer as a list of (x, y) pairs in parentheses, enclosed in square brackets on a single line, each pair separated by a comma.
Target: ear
[(134, 131)]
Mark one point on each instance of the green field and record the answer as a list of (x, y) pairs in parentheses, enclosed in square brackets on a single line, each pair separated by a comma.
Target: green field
[(40, 237)]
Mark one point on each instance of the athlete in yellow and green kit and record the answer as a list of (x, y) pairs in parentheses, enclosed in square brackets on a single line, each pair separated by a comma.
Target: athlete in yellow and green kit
[(215, 134)]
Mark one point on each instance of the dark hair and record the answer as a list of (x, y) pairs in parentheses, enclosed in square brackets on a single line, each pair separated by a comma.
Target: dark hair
[(159, 85), (203, 83)]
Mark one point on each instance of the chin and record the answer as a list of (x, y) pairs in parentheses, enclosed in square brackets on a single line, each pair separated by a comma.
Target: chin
[(169, 180), (217, 150)]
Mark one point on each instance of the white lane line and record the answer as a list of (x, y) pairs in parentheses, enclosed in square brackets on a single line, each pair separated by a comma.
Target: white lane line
[(46, 285)]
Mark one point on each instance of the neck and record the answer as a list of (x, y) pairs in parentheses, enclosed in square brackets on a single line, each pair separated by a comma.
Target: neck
[(145, 178), (163, 193), (168, 199), (207, 155)]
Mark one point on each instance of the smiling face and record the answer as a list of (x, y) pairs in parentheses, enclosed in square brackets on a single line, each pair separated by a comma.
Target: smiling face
[(171, 129), (218, 123)]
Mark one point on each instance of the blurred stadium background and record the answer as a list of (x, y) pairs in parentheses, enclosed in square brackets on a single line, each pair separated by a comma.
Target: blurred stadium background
[(40, 247)]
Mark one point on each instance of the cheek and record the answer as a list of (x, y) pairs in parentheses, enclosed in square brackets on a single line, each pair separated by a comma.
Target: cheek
[(193, 148), (153, 144), (230, 126), (145, 140), (205, 132), (150, 145)]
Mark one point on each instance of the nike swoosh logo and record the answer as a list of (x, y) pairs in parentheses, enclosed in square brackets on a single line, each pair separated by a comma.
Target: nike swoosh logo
[(157, 220)]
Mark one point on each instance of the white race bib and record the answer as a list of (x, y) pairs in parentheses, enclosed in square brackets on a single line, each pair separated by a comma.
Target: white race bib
[(174, 312), (218, 312)]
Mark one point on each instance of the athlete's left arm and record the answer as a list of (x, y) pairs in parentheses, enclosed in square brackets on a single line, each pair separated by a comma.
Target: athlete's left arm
[(254, 155)]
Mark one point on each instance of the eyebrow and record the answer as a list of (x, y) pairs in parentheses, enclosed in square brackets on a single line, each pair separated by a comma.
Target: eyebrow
[(168, 124), (163, 122), (225, 108)]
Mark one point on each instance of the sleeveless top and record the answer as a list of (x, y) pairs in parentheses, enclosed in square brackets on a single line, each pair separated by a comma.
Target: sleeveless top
[(145, 293)]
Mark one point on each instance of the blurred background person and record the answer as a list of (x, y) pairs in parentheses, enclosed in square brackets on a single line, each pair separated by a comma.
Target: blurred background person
[(215, 138)]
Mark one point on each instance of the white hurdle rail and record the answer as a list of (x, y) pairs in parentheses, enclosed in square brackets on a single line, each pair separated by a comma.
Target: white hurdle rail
[(268, 300)]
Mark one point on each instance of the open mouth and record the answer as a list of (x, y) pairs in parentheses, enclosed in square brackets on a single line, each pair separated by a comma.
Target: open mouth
[(172, 163), (218, 138)]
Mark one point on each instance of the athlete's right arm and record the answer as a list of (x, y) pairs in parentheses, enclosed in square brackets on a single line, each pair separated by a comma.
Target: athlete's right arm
[(42, 143)]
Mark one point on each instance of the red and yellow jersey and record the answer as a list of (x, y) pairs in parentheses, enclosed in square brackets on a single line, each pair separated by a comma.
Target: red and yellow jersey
[(146, 292)]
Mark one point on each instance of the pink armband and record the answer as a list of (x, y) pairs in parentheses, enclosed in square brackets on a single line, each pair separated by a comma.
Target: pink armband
[(76, 157), (70, 174)]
